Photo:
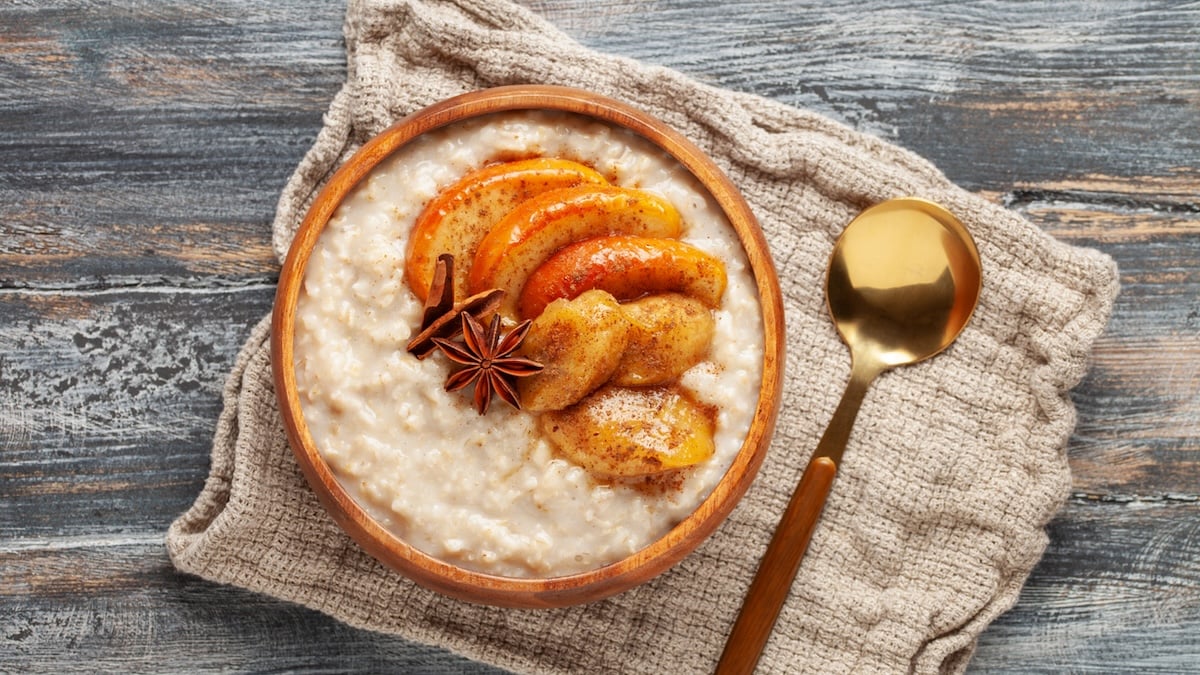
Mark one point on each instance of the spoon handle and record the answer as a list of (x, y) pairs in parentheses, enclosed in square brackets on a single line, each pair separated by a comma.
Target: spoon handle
[(781, 561), (779, 565)]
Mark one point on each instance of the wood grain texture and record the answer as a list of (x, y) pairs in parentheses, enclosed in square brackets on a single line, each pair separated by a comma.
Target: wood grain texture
[(117, 605), (147, 139), (108, 402), (143, 145)]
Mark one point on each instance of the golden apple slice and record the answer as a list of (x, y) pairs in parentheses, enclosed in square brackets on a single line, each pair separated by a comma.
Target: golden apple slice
[(626, 266), (618, 432), (537, 228), (579, 344), (668, 334), (458, 217)]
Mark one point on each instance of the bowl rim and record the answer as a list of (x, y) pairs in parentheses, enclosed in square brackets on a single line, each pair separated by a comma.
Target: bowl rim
[(479, 587)]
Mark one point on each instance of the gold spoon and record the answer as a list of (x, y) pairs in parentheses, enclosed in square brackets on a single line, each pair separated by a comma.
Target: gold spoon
[(903, 280)]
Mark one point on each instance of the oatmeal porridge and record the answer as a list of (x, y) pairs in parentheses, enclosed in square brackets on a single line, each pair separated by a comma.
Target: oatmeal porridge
[(494, 493)]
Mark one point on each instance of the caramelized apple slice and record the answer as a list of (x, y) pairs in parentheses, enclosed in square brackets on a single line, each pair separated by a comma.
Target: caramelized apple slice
[(618, 432), (668, 334), (530, 233), (579, 344), (627, 267), (459, 217)]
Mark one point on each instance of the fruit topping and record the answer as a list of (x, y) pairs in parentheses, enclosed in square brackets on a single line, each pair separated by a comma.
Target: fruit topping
[(627, 267), (579, 342), (668, 334), (530, 233), (458, 217), (623, 433)]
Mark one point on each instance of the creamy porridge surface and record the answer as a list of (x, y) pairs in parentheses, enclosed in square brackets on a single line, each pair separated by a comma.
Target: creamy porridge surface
[(485, 492)]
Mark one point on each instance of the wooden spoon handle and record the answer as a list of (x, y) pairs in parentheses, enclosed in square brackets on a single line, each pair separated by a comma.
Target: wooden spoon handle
[(777, 570)]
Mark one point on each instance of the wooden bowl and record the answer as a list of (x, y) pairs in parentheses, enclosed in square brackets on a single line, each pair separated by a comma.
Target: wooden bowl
[(506, 591)]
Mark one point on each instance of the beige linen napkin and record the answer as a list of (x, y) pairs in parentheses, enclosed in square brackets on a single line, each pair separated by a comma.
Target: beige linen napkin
[(953, 470)]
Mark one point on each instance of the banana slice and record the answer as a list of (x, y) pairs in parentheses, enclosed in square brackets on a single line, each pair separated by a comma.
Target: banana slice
[(669, 334), (579, 344), (624, 433)]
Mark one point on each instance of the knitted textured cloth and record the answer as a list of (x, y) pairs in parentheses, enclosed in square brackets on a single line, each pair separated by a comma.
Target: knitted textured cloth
[(953, 470)]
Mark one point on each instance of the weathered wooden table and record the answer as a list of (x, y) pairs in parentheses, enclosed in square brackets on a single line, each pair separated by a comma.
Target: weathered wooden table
[(142, 147)]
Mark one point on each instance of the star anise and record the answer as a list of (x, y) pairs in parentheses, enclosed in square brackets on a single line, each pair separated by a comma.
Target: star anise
[(441, 316), (488, 361)]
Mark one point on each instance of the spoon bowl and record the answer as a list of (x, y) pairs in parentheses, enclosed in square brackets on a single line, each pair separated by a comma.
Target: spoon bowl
[(904, 278)]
